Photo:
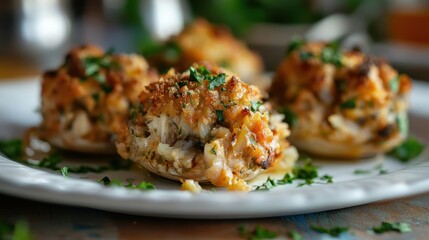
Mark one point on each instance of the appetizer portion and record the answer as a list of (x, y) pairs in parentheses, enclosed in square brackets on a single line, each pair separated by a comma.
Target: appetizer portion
[(201, 41), (206, 125), (89, 96), (342, 104)]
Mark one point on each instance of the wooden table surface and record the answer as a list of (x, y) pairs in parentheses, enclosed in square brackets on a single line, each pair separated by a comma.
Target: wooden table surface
[(52, 221)]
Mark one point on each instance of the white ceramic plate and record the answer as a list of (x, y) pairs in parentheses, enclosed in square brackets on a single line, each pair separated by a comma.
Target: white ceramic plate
[(19, 101)]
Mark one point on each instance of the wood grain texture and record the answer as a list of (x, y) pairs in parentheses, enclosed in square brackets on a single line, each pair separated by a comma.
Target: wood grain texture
[(51, 221)]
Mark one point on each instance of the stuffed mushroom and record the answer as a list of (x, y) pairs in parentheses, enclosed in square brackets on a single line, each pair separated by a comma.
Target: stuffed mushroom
[(341, 104), (89, 96), (206, 125), (201, 41)]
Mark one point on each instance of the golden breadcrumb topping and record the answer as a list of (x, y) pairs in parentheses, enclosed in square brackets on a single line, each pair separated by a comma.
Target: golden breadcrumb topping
[(204, 124), (343, 98), (89, 96)]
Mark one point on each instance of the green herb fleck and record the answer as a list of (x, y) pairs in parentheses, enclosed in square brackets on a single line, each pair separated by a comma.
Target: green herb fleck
[(294, 45), (16, 231), (216, 81), (362, 171), (305, 55), (252, 140), (408, 150), (219, 114), (195, 76), (306, 172), (50, 162), (394, 84), (287, 179), (143, 186), (294, 235), (254, 105), (402, 123), (258, 233), (201, 73), (290, 117), (12, 149), (389, 227), (269, 184), (182, 84), (105, 181), (213, 151), (21, 231), (93, 66), (334, 232), (331, 53), (65, 171), (327, 178), (349, 104)]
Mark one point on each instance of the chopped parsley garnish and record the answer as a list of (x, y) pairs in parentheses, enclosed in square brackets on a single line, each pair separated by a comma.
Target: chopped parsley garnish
[(307, 172), (294, 235), (327, 178), (269, 184), (12, 149), (213, 151), (294, 45), (16, 231), (331, 53), (219, 114), (305, 55), (379, 168), (50, 162), (349, 104), (65, 171), (182, 84), (143, 186), (402, 122), (362, 171), (394, 84), (258, 233), (93, 66), (201, 73), (195, 76), (409, 149), (216, 81), (254, 105), (334, 232), (287, 179), (290, 117), (395, 227)]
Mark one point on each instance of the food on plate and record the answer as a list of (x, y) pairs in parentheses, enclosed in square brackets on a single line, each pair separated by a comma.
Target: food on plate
[(206, 125), (340, 103), (89, 96), (202, 41)]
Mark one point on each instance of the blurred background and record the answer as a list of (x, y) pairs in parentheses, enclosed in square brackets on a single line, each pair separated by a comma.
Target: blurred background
[(35, 34)]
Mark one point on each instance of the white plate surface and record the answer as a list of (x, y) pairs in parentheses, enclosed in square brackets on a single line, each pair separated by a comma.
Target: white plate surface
[(20, 99)]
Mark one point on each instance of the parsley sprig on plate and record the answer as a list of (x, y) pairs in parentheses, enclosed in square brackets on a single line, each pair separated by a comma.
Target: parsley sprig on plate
[(143, 185), (13, 149), (306, 172)]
